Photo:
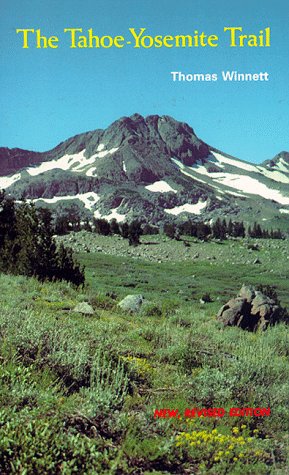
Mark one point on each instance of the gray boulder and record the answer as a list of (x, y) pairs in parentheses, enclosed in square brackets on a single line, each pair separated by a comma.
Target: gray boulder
[(132, 303), (84, 308)]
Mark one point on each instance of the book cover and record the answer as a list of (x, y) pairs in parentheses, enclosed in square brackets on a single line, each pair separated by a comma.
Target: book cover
[(144, 256)]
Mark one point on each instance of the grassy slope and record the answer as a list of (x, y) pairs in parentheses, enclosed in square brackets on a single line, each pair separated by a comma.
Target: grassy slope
[(78, 393)]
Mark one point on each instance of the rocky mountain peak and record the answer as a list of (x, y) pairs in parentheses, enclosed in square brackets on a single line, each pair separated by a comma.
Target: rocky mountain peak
[(282, 158), (177, 139)]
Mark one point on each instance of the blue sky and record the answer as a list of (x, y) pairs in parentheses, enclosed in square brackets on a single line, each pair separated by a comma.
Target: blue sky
[(50, 95)]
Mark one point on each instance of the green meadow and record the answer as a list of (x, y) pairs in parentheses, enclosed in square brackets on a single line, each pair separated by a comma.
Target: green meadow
[(78, 393)]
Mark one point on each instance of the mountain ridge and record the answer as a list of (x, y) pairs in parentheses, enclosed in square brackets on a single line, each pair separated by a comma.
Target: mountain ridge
[(154, 167)]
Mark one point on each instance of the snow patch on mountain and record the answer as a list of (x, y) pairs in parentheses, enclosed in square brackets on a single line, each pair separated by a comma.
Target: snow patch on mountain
[(202, 170), (252, 186), (104, 153), (235, 193), (91, 172), (221, 159), (160, 187), (89, 199), (188, 208), (76, 162), (114, 214), (281, 165), (186, 170), (6, 181), (240, 182), (65, 162), (284, 211), (275, 175)]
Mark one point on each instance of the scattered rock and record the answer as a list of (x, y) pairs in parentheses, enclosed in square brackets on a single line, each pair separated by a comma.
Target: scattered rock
[(206, 298), (251, 310), (253, 247), (112, 295), (84, 308), (132, 303)]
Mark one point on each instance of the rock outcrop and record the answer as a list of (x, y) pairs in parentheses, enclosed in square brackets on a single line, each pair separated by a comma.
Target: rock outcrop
[(250, 310)]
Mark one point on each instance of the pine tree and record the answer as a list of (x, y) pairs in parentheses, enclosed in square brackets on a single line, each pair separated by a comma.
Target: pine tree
[(124, 230), (134, 233), (230, 228), (67, 268), (238, 229), (61, 225), (101, 226), (28, 248), (8, 230), (218, 229), (114, 227), (203, 231), (45, 264), (170, 230)]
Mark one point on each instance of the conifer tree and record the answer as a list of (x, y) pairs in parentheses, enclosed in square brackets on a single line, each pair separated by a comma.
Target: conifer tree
[(124, 230), (114, 227), (134, 233), (230, 228), (218, 229), (170, 230), (27, 246), (101, 226)]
